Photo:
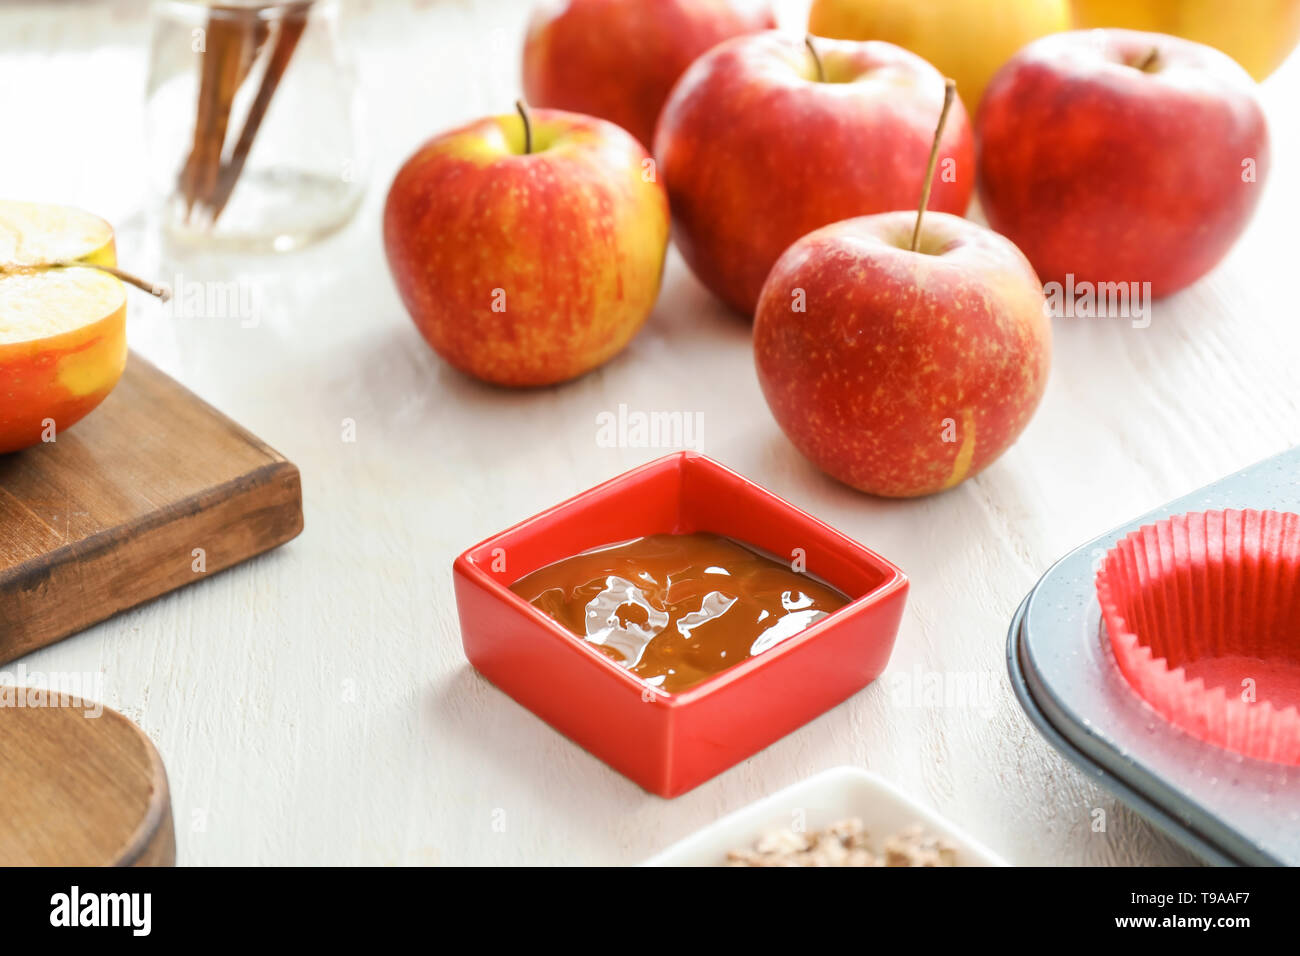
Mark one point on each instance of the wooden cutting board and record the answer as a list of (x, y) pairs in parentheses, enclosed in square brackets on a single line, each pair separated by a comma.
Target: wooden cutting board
[(82, 786), (154, 490)]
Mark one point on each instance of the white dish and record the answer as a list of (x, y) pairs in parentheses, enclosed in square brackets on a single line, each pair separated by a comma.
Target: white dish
[(815, 803)]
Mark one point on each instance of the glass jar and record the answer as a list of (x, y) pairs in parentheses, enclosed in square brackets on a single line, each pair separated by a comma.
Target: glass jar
[(252, 121)]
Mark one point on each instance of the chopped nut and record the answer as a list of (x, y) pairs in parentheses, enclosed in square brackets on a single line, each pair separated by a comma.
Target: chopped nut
[(845, 843), (914, 847)]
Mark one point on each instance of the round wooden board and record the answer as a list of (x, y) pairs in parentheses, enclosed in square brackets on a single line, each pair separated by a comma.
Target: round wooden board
[(79, 790)]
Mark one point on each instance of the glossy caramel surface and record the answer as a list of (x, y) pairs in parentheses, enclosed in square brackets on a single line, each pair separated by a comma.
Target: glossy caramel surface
[(678, 608)]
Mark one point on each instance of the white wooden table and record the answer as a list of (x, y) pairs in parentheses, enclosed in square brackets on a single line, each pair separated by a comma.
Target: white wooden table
[(313, 706)]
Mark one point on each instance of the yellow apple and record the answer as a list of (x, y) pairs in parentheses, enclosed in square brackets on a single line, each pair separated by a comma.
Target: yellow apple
[(966, 39), (62, 329), (1258, 34)]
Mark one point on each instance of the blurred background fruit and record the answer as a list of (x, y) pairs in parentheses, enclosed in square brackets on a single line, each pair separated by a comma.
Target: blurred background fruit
[(966, 39), (1258, 34), (619, 59)]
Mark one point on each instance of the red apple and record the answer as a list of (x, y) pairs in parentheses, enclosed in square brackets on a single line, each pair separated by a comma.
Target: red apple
[(528, 256), (1120, 156), (757, 150), (619, 59), (902, 373)]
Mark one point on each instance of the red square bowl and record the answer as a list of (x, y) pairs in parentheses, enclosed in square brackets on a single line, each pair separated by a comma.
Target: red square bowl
[(669, 743)]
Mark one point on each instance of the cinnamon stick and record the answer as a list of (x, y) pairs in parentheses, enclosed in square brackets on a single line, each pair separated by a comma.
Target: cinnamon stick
[(235, 40), (189, 176), (227, 35), (289, 29)]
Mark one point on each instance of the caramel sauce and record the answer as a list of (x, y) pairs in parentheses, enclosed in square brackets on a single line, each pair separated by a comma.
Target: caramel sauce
[(678, 608)]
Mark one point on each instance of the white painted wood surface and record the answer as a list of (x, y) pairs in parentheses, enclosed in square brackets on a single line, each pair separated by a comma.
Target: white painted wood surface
[(314, 706)]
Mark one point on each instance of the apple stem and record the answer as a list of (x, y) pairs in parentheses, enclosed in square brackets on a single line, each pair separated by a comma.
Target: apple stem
[(522, 107), (120, 274), (949, 93), (817, 60), (1149, 60)]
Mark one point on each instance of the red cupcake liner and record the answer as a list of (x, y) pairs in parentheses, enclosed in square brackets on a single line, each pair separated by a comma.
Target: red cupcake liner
[(1203, 614)]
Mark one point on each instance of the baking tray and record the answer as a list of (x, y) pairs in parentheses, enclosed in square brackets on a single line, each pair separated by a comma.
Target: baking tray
[(1224, 807)]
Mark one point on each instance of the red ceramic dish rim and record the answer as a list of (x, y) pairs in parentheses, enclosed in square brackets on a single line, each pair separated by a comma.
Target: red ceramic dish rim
[(893, 580)]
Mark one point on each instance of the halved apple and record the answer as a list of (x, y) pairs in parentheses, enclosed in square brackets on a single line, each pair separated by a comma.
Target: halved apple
[(62, 328)]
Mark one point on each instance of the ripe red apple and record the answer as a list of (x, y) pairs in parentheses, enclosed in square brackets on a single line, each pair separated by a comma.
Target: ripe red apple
[(905, 372), (757, 148), (618, 59), (1120, 156), (528, 254)]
